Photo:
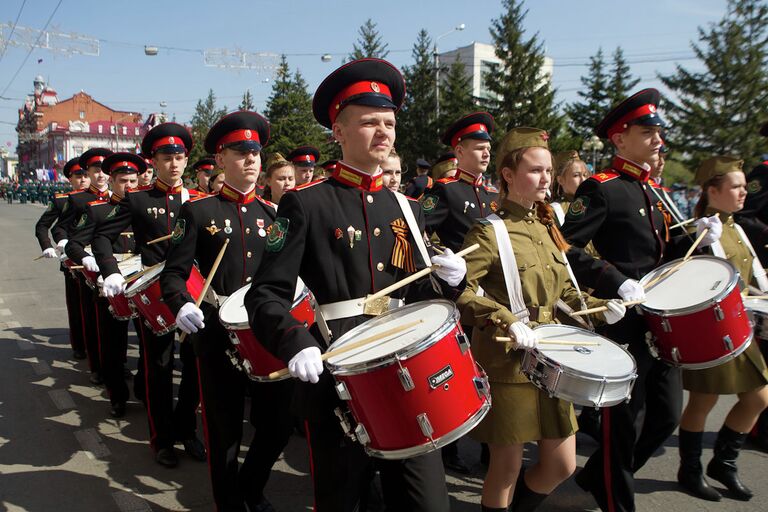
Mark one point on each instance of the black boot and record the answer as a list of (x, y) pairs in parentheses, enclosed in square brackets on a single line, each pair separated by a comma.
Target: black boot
[(524, 499), (722, 467), (691, 474)]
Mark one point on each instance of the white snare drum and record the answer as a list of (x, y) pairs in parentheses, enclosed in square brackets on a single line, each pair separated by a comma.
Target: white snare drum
[(599, 375), (758, 310)]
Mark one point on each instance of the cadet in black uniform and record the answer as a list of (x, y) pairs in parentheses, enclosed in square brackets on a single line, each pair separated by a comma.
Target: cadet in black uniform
[(304, 159), (419, 184), (203, 169), (615, 210), (357, 232), (152, 212), (50, 220), (236, 214), (123, 170), (453, 204), (328, 167)]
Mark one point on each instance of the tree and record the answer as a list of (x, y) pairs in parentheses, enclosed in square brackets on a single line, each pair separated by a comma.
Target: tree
[(622, 81), (718, 110), (520, 92), (206, 114), (456, 98), (416, 130), (595, 100), (289, 110), (369, 43), (247, 101)]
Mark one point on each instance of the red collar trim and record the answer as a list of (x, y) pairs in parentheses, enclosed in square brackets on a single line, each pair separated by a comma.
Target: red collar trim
[(630, 168), (231, 194), (470, 178), (115, 199), (348, 175), (167, 189)]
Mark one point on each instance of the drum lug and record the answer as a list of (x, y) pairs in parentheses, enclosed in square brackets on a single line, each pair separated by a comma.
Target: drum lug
[(728, 343), (144, 299), (481, 386), (675, 353), (665, 325), (719, 315), (344, 422), (234, 339), (160, 321), (342, 391), (426, 426), (362, 435), (463, 340), (405, 378)]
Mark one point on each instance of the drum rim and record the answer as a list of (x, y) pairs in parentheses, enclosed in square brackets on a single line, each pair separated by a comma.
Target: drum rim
[(407, 353), (701, 306), (306, 292), (536, 353), (145, 281), (708, 364)]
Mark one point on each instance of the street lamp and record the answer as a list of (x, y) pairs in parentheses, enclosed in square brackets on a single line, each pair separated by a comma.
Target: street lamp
[(593, 144), (457, 28)]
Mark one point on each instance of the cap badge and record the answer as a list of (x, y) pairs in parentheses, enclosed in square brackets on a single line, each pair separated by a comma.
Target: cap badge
[(544, 136), (375, 87), (172, 140), (652, 108), (247, 134)]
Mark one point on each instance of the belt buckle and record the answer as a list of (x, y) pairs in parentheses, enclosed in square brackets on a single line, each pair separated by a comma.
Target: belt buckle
[(376, 307)]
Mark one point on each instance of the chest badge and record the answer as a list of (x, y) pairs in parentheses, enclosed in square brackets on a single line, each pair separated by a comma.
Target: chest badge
[(213, 229), (466, 205), (642, 211), (227, 227), (351, 236), (338, 234)]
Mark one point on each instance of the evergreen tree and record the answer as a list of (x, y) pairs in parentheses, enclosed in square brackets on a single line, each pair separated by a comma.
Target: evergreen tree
[(594, 101), (369, 43), (206, 114), (718, 110), (416, 130), (289, 110), (622, 82), (520, 93), (456, 98), (247, 101)]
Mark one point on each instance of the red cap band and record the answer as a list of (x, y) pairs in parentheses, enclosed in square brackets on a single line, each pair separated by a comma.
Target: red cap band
[(237, 136), (94, 160), (205, 167), (477, 127), (75, 168), (168, 141), (124, 163), (639, 112), (356, 89), (303, 158)]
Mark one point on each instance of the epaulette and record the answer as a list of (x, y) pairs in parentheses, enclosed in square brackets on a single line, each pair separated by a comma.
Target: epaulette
[(198, 198), (75, 192), (604, 176), (140, 189), (310, 184), (653, 184), (61, 195), (193, 192), (268, 203), (450, 179), (98, 201), (491, 189)]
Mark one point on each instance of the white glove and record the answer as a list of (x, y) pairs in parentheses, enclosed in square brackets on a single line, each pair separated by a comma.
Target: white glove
[(715, 230), (450, 268), (524, 337), (114, 284), (306, 365), (189, 318), (89, 264), (615, 312), (61, 244), (50, 253), (631, 290)]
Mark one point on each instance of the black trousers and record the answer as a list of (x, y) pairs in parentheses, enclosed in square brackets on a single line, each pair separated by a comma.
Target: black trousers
[(166, 423), (341, 473), (113, 334), (634, 430), (222, 388), (74, 312), (90, 324)]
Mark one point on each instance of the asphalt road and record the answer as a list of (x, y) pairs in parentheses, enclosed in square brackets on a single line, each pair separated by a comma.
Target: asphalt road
[(60, 450)]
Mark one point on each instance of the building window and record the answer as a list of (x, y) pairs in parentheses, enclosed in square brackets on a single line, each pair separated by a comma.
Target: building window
[(101, 128), (112, 129), (77, 149), (82, 114), (136, 131), (125, 130), (486, 67)]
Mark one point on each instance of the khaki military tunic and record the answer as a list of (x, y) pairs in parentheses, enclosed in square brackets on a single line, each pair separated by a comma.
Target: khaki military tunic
[(747, 371), (520, 412)]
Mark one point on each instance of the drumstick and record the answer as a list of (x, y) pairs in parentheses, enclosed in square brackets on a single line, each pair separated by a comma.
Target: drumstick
[(605, 308), (680, 224), (140, 273), (677, 267), (413, 277), (39, 257), (208, 280), (352, 346), (507, 339), (76, 267), (756, 297), (696, 243), (127, 233), (160, 239)]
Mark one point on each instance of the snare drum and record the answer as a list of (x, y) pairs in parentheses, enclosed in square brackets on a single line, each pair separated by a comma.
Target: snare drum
[(412, 392), (696, 315), (758, 309), (249, 355), (600, 375), (145, 295), (119, 305)]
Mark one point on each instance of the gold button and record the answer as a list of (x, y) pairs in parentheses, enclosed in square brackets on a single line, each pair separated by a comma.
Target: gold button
[(549, 267), (530, 214), (247, 231), (376, 232), (249, 254), (170, 197), (243, 209), (379, 265), (501, 212), (171, 214), (745, 260), (539, 242), (248, 279), (498, 321), (738, 241), (369, 199)]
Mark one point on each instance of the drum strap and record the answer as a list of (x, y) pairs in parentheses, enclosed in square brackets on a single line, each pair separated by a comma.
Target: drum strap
[(668, 203), (558, 208), (568, 309), (184, 195), (757, 268), (414, 227), (509, 269)]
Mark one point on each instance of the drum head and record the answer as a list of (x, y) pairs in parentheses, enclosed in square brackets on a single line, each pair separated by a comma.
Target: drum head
[(130, 265), (232, 311), (759, 306), (607, 359), (145, 280), (434, 315), (701, 279)]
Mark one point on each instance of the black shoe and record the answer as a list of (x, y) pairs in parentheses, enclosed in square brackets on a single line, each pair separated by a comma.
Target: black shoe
[(79, 354), (167, 457), (690, 476), (117, 410), (195, 449), (589, 423), (262, 505), (96, 379), (455, 463), (723, 466)]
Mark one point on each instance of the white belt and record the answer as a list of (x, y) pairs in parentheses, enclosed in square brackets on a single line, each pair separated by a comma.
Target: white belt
[(350, 308), (214, 299)]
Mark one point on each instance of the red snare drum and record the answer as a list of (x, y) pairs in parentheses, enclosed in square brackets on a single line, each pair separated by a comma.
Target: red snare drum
[(119, 305), (145, 295), (250, 356), (415, 391), (696, 315)]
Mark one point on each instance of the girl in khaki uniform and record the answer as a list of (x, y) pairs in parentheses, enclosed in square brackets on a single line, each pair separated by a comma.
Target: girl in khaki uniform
[(723, 192), (570, 171), (521, 412)]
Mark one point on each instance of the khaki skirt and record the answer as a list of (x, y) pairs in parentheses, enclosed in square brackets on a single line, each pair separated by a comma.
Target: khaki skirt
[(744, 373), (521, 413)]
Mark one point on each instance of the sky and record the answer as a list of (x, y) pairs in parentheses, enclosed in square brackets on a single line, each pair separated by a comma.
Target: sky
[(656, 35)]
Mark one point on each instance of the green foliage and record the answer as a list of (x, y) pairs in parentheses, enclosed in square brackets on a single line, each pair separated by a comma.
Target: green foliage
[(456, 98), (622, 83), (594, 98), (247, 101), (369, 43), (206, 114)]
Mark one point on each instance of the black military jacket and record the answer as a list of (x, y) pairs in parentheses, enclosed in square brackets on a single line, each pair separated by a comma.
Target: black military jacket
[(72, 214), (96, 213), (754, 216), (418, 185), (49, 220)]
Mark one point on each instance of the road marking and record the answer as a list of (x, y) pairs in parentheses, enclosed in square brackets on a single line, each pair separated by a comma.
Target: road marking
[(41, 368), (10, 325), (5, 312), (129, 502), (2, 301), (91, 443), (62, 399)]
